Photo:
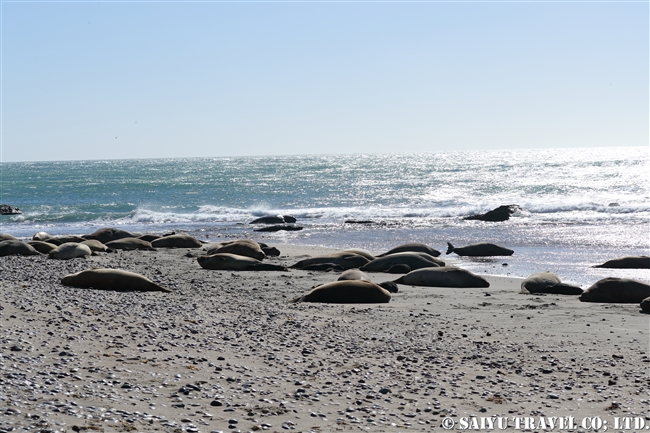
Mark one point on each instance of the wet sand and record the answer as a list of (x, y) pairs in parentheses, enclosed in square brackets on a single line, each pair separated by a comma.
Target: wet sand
[(227, 351)]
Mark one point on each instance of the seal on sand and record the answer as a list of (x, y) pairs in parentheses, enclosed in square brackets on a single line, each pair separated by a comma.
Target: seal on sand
[(242, 247), (353, 274), (130, 244), (413, 260), (69, 238), (180, 240), (645, 305), (616, 291), (16, 248), (111, 279), (547, 282), (479, 250), (42, 236), (7, 237), (42, 247), (108, 234), (413, 248), (96, 246), (234, 262), (70, 250), (630, 262), (347, 292), (345, 259), (447, 276)]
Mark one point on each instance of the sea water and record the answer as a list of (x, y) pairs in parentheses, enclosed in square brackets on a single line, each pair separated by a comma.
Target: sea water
[(578, 207)]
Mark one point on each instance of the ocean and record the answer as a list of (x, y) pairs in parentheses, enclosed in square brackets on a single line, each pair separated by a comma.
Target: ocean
[(578, 207)]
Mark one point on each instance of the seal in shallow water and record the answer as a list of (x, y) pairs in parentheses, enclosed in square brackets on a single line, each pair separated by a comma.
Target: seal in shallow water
[(111, 279), (347, 292), (630, 262), (483, 249), (413, 248), (447, 276), (616, 291)]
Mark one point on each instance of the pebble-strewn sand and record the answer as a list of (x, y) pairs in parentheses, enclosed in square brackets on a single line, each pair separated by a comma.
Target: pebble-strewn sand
[(227, 352)]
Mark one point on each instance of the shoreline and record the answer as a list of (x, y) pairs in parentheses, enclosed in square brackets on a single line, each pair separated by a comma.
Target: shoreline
[(227, 346)]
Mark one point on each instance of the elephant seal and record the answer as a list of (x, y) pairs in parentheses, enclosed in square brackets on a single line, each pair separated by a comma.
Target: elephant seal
[(242, 247), (42, 236), (108, 234), (616, 291), (7, 237), (16, 248), (69, 238), (645, 305), (502, 213), (479, 250), (149, 237), (412, 248), (274, 219), (234, 262), (180, 240), (279, 227), (112, 279), (353, 274), (360, 252), (97, 247), (399, 269), (70, 250), (130, 244), (346, 260), (327, 267), (347, 292), (630, 262), (42, 247), (446, 276), (413, 260), (547, 282), (269, 251)]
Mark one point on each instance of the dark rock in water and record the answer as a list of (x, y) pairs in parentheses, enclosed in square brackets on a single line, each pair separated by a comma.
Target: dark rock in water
[(274, 219), (6, 209), (359, 222), (502, 213), (277, 228)]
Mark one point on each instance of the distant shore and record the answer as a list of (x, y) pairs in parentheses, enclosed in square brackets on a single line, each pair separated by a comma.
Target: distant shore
[(226, 351)]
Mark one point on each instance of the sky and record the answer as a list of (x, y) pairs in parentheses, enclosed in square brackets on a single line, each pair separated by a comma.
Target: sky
[(114, 80)]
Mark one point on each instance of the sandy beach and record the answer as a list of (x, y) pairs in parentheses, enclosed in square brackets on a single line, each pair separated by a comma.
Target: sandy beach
[(227, 351)]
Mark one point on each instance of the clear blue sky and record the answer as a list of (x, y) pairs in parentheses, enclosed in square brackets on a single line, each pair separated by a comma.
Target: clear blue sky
[(95, 80)]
